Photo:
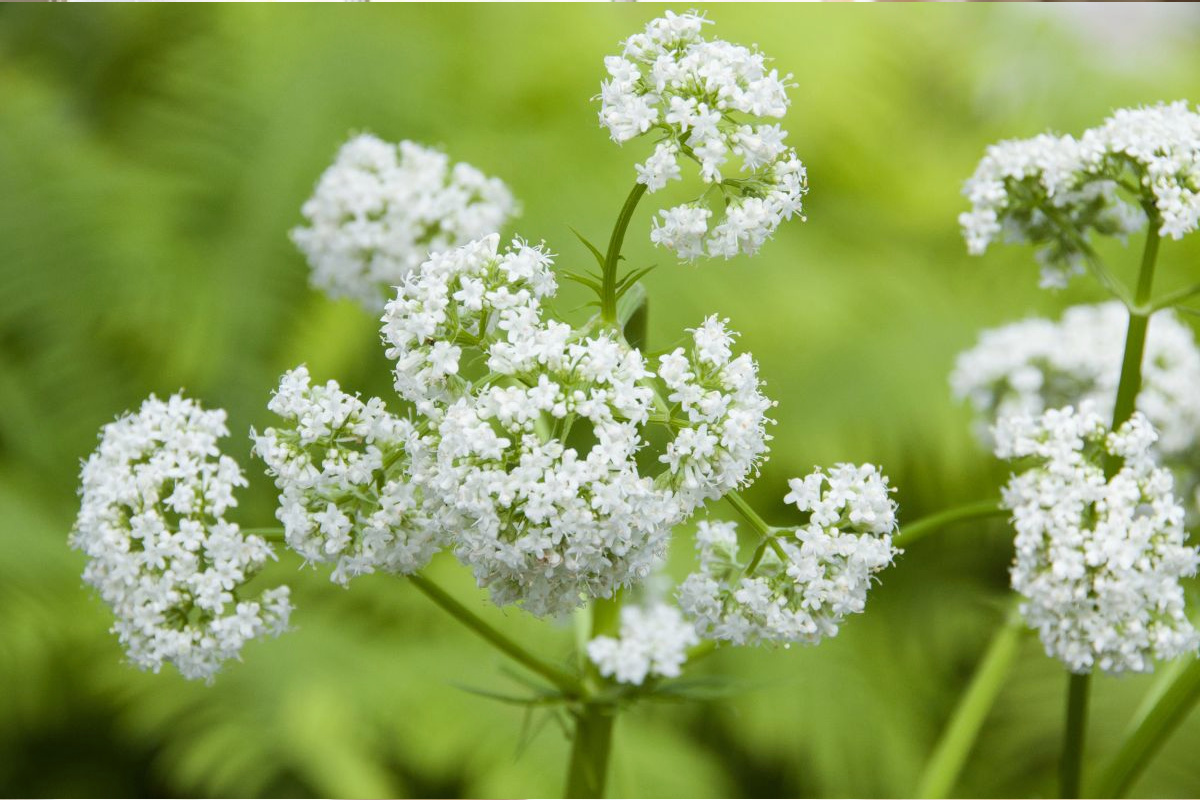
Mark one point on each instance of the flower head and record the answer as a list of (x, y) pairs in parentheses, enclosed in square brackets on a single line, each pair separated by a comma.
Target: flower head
[(1029, 366), (381, 209), (721, 439), (343, 469), (1099, 555), (654, 641), (809, 578), (1054, 191), (467, 297), (709, 102), (160, 551)]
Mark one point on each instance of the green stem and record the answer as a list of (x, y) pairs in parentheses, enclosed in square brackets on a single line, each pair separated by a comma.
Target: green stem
[(1150, 732), (565, 682), (748, 513), (1176, 297), (270, 534), (590, 748), (1071, 767), (608, 297), (1106, 278), (926, 525), (946, 763), (1135, 339), (591, 742)]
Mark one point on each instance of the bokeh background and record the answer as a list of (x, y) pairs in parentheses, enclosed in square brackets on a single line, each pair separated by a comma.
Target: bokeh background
[(152, 160)]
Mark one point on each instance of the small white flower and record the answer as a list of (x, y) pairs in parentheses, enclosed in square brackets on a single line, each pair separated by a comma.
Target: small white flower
[(722, 437), (1053, 191), (381, 209), (160, 552), (1029, 366)]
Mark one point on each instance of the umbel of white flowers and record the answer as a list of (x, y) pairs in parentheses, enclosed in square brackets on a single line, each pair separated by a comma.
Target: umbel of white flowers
[(1029, 366), (819, 573), (380, 209), (706, 100), (1098, 558), (527, 446), (541, 521), (1053, 191), (160, 551)]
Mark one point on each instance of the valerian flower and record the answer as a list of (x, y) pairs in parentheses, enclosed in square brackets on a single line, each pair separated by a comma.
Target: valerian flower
[(803, 587), (707, 101), (653, 641), (160, 551), (380, 209), (1099, 553), (1055, 191)]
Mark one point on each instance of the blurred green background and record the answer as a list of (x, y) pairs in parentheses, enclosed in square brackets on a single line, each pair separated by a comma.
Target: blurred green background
[(152, 160)]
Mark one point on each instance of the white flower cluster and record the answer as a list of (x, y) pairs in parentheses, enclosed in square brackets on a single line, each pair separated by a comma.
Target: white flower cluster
[(1098, 558), (342, 468), (543, 471), (653, 642), (1051, 191), (1027, 367), (161, 553), (381, 208), (1161, 146), (469, 297), (1035, 191), (707, 100), (819, 573), (536, 463), (721, 410)]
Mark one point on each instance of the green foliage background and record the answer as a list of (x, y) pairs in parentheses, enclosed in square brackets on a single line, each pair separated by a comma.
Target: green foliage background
[(152, 160)]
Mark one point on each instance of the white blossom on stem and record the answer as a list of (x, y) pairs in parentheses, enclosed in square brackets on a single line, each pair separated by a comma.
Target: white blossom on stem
[(707, 101), (805, 580), (1099, 553), (343, 469), (380, 209), (653, 641), (160, 551)]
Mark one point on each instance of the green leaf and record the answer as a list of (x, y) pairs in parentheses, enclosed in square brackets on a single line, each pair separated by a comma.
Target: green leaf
[(591, 247)]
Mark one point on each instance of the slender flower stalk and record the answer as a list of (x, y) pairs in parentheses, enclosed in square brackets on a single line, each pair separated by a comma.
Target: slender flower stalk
[(566, 683), (946, 763), (612, 259), (1150, 731), (924, 526)]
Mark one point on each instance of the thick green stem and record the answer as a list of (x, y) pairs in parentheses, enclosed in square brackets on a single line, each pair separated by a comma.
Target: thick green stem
[(592, 738), (1135, 339), (946, 763), (1150, 732), (926, 525), (565, 682), (1071, 767), (589, 751), (608, 297)]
